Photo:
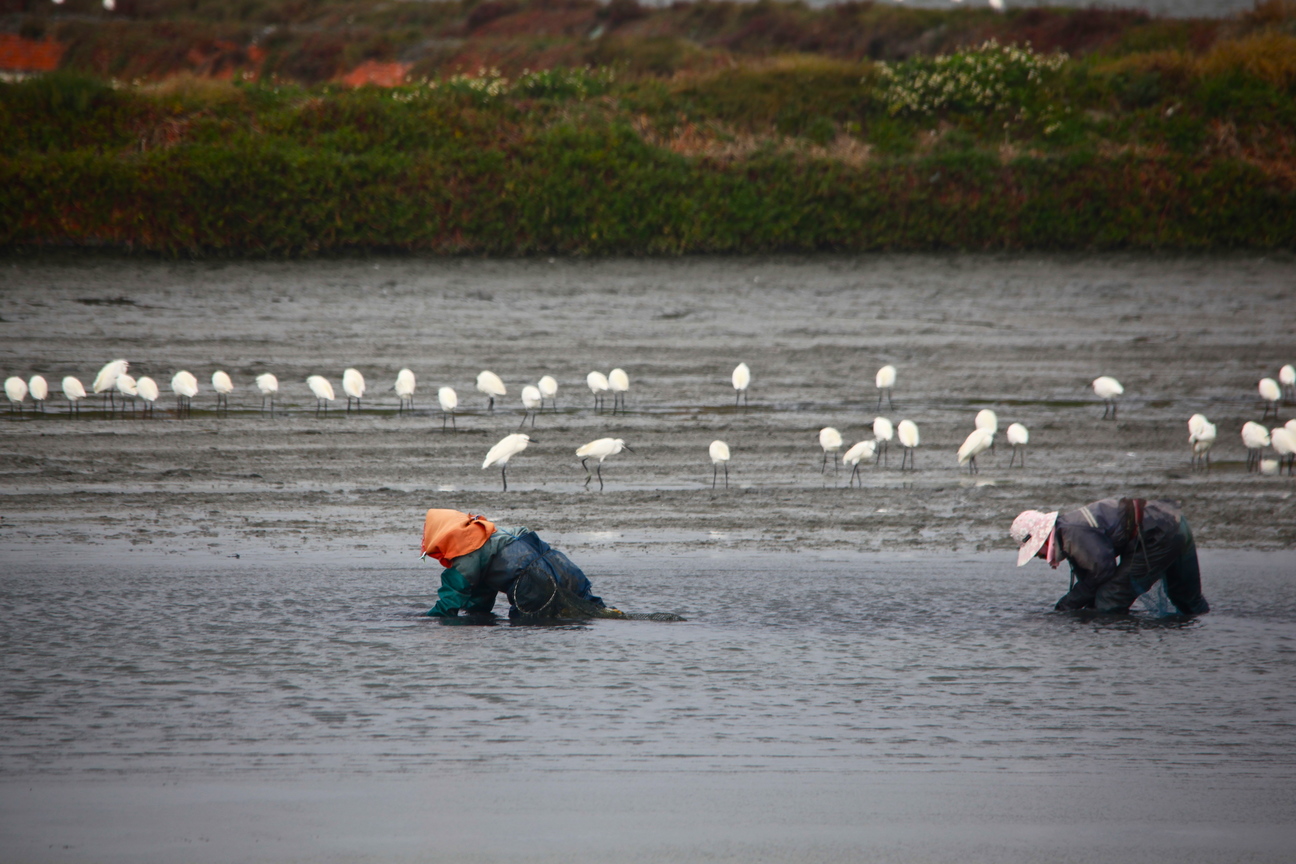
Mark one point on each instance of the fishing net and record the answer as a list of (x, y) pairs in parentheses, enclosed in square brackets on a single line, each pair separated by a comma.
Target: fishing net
[(1156, 602)]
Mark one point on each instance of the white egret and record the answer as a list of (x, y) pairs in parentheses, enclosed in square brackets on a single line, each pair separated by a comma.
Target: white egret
[(976, 443), (907, 432), (268, 384), (1256, 438), (1284, 441), (353, 385), (883, 432), (599, 449), (490, 384), (106, 380), (185, 386), (548, 390), (223, 386), (323, 390), (531, 402), (831, 442), (1270, 392), (989, 421), (38, 389), (1287, 378), (126, 386), (449, 401), (73, 391), (598, 385), (16, 390), (719, 452), (404, 388), (1018, 437), (741, 381), (885, 380), (148, 391), (1201, 441), (1195, 423), (861, 450), (508, 447), (1269, 466), (619, 382), (1290, 425), (1108, 389)]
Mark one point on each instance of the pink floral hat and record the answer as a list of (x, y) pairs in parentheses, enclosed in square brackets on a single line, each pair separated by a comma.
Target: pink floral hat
[(1031, 529)]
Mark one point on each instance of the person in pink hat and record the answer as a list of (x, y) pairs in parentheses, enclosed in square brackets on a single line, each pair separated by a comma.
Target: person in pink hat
[(1118, 549)]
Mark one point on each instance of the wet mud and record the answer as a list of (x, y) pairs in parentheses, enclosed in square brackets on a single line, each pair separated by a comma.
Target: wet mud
[(1021, 335)]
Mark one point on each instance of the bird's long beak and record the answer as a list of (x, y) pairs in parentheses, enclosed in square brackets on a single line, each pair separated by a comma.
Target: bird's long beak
[(627, 448), (532, 441)]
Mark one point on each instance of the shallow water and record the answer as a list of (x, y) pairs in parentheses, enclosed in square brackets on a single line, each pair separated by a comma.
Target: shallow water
[(932, 674), (210, 626)]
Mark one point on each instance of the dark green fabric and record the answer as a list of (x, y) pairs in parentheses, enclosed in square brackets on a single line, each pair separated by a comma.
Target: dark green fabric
[(462, 584)]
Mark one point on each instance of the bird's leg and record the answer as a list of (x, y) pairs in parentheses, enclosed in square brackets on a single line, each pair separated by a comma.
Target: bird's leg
[(504, 475), (444, 415), (854, 474), (715, 473), (879, 405), (823, 466), (454, 426), (524, 419), (890, 404), (726, 475), (600, 475), (836, 464), (588, 475)]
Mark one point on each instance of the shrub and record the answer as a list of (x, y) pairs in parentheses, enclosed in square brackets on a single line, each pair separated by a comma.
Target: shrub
[(992, 78)]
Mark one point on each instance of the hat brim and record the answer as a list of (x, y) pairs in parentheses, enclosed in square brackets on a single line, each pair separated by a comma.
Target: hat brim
[(1038, 538)]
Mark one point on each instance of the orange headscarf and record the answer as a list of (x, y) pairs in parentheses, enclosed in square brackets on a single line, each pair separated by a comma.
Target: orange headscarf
[(447, 534)]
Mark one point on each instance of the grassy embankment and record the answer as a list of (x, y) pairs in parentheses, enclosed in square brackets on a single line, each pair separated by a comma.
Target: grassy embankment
[(662, 136)]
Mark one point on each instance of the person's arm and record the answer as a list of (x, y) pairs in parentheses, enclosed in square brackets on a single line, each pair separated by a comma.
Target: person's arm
[(1093, 563), (454, 594)]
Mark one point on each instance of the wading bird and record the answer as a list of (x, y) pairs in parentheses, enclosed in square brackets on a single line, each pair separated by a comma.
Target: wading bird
[(449, 401), (73, 391), (353, 385), (719, 451), (1269, 466), (490, 384), (598, 385), (323, 391), (976, 443), (126, 386), (883, 432), (907, 432), (989, 421), (831, 442), (1018, 437), (1287, 378), (741, 381), (185, 386), (106, 381), (148, 391), (1284, 441), (38, 389), (531, 402), (1256, 438), (885, 381), (269, 386), (600, 450), (619, 381), (861, 450), (404, 388), (1107, 389), (16, 390), (223, 386), (548, 390), (1201, 438), (1270, 392), (508, 447)]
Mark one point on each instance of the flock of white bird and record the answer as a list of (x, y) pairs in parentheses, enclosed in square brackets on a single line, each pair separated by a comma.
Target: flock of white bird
[(113, 380)]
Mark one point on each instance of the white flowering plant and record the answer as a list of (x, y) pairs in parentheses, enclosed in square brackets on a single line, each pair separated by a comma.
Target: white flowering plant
[(489, 85), (991, 79)]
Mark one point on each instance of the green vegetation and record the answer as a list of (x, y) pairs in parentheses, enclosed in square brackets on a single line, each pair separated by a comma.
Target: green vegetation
[(708, 127)]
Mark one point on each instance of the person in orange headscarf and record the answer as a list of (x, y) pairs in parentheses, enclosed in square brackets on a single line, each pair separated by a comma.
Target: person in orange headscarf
[(482, 560)]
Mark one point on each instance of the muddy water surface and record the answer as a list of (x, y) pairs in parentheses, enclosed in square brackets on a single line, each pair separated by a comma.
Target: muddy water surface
[(212, 642)]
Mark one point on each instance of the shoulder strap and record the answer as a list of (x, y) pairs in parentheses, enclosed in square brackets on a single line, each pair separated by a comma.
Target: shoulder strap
[(1089, 517)]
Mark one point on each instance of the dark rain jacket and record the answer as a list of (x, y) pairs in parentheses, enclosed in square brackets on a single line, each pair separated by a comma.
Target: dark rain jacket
[(1112, 564), (516, 562)]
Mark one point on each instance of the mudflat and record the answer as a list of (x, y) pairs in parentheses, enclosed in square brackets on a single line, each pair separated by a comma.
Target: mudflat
[(1023, 336)]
